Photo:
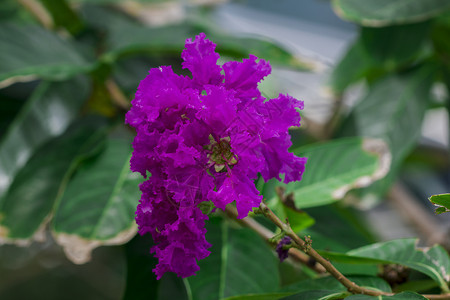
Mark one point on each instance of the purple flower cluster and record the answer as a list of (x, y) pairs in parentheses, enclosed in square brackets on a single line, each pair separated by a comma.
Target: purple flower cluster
[(204, 140)]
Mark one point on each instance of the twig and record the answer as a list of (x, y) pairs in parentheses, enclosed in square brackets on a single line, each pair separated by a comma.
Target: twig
[(330, 126), (38, 11), (267, 234), (308, 249), (116, 94)]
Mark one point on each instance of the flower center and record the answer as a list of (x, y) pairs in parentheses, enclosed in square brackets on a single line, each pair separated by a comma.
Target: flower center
[(220, 153)]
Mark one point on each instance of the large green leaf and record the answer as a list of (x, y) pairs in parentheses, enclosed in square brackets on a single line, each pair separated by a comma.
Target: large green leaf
[(12, 11), (330, 288), (379, 13), (267, 296), (30, 52), (378, 51), (393, 110), (29, 200), (240, 263), (394, 46), (433, 261), (335, 167), (442, 202), (98, 205), (48, 112), (317, 295), (330, 283), (401, 296)]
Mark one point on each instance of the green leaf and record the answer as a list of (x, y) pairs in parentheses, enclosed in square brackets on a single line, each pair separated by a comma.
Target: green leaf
[(335, 167), (352, 67), (240, 263), (172, 287), (330, 283), (417, 285), (63, 15), (30, 52), (268, 296), (378, 51), (298, 219), (28, 204), (401, 296), (393, 46), (12, 11), (393, 110), (48, 112), (98, 205), (378, 13), (433, 261), (317, 295), (441, 44), (442, 201)]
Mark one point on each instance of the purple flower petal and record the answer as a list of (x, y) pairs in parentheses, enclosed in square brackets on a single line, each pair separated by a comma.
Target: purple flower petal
[(199, 57)]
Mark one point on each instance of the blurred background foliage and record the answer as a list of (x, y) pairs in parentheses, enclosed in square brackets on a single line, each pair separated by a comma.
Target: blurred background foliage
[(68, 70)]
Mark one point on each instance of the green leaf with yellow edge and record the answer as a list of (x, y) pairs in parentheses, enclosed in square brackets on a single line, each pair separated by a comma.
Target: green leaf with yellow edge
[(393, 110), (97, 207), (30, 199), (335, 167), (442, 201), (46, 114), (31, 52)]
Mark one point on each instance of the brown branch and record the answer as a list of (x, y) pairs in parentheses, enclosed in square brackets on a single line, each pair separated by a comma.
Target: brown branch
[(267, 234), (116, 94), (332, 123), (38, 11), (307, 248), (418, 216)]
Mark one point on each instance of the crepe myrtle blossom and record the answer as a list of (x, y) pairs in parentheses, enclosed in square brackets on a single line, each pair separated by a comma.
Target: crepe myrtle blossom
[(204, 139)]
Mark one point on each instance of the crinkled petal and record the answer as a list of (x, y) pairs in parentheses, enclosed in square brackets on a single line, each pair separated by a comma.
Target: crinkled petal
[(201, 59), (281, 113), (239, 188), (244, 76)]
